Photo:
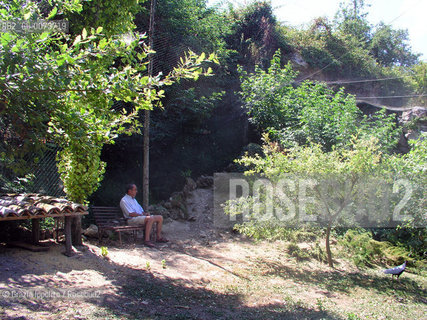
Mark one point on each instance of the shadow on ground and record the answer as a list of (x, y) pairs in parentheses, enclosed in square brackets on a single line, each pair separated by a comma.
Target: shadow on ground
[(336, 280), (137, 294)]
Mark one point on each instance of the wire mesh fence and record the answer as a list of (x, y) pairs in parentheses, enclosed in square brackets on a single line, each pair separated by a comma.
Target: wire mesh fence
[(46, 176), (36, 172)]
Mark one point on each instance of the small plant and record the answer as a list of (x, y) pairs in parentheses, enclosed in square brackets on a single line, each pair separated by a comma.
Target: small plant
[(352, 316), (148, 265), (320, 305), (318, 253), (47, 223), (186, 173), (104, 252), (164, 264), (268, 231)]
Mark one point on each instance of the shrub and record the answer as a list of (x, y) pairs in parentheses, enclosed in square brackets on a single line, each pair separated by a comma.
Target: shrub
[(300, 254), (366, 251)]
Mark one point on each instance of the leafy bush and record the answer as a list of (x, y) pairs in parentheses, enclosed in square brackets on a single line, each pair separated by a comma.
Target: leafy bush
[(300, 254), (319, 58), (309, 112), (268, 231), (17, 185), (366, 251), (414, 240)]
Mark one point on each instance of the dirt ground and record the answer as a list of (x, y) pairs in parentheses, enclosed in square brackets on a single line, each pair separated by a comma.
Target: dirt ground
[(202, 273)]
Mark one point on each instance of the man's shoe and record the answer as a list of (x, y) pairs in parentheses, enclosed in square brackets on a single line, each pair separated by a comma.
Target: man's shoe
[(164, 240), (149, 244)]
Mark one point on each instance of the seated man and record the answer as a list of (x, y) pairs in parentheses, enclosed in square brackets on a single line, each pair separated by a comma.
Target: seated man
[(136, 215)]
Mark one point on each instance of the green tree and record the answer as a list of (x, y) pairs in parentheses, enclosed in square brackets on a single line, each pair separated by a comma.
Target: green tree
[(268, 95), (79, 79), (390, 47), (254, 34), (309, 112), (351, 185), (351, 20), (419, 79), (335, 177), (115, 17)]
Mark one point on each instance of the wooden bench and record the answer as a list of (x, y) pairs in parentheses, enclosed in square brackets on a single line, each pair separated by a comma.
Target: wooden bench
[(111, 218)]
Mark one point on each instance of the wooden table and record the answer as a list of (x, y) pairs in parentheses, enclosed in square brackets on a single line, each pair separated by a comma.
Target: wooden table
[(35, 226)]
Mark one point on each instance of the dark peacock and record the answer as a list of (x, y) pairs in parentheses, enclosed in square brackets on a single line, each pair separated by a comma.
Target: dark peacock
[(396, 271)]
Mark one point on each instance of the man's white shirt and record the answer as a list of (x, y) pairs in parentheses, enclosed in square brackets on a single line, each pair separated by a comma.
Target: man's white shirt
[(129, 205)]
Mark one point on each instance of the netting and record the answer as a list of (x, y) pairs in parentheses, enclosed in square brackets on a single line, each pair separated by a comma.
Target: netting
[(46, 176)]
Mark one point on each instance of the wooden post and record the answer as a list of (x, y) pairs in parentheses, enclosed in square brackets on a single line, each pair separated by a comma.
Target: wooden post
[(76, 230), (146, 128), (35, 230), (68, 239)]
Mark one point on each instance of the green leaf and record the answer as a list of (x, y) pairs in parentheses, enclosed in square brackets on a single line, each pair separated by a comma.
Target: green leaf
[(52, 13), (44, 35), (5, 38), (60, 62), (77, 41), (141, 56), (84, 34), (27, 16), (99, 30), (102, 43)]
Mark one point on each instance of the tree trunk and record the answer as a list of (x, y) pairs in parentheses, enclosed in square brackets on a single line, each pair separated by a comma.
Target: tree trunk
[(328, 246), (76, 230)]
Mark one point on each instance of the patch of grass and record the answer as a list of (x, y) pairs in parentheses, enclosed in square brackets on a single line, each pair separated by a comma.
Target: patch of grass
[(302, 235), (320, 304), (267, 231), (305, 254), (352, 316), (343, 282), (271, 231)]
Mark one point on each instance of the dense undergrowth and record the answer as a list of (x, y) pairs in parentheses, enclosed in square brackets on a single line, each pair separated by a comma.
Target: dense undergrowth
[(357, 245)]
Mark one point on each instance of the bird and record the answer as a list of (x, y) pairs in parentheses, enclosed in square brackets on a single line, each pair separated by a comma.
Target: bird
[(396, 271)]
